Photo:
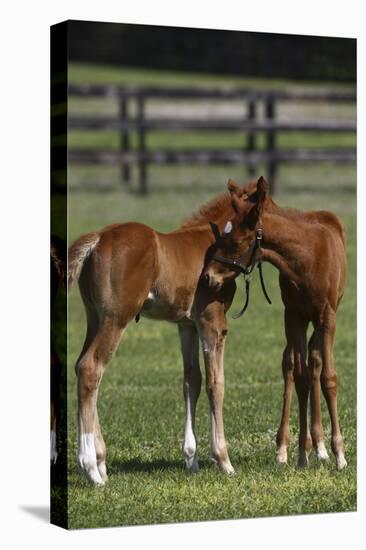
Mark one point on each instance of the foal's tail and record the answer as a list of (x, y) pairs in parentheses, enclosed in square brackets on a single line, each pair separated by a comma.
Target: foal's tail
[(78, 253)]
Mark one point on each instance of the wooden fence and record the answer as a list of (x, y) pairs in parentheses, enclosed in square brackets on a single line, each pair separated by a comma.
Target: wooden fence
[(250, 125)]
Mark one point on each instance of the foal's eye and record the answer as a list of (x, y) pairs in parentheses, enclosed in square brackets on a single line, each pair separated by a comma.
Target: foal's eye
[(228, 228)]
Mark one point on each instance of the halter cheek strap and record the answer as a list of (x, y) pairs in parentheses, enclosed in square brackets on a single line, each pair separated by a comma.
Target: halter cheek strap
[(247, 269)]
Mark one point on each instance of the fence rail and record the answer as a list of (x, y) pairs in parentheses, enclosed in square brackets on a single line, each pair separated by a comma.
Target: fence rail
[(109, 123), (207, 93), (249, 156), (210, 155)]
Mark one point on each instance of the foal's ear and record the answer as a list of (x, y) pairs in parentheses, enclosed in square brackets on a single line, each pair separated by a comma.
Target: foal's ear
[(235, 192), (262, 188), (259, 195), (234, 188), (258, 198)]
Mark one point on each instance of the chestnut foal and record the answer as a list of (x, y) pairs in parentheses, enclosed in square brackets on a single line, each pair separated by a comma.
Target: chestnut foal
[(127, 270), (308, 249)]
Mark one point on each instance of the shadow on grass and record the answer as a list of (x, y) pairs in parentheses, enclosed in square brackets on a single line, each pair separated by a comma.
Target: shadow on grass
[(137, 465)]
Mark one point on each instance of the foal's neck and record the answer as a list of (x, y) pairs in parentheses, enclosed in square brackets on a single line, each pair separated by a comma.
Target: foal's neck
[(283, 244)]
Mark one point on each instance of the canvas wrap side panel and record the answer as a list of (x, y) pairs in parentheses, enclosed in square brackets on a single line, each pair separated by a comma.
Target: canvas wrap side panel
[(58, 262)]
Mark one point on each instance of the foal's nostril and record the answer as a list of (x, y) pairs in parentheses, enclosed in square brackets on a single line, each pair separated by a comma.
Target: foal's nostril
[(206, 277)]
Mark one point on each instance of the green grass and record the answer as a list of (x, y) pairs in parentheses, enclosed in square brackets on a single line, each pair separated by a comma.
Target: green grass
[(141, 404), (142, 411), (80, 73), (173, 140)]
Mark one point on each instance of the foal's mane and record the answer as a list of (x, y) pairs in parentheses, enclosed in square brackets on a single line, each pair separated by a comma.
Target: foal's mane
[(272, 207), (220, 207), (212, 211), (291, 213)]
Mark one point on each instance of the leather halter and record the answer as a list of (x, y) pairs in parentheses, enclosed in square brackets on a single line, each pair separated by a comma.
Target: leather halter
[(247, 269)]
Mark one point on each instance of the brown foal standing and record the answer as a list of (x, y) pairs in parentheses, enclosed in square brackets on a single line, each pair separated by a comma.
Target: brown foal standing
[(126, 270), (308, 249)]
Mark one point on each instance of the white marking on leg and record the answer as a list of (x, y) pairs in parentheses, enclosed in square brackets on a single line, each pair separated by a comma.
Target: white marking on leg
[(53, 447), (88, 458), (281, 455), (321, 451), (189, 444), (102, 468), (340, 461), (205, 346)]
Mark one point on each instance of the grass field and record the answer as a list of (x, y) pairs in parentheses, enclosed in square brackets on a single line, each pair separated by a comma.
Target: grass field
[(141, 404)]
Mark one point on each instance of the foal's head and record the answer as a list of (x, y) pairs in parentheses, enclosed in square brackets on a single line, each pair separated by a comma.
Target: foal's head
[(239, 234)]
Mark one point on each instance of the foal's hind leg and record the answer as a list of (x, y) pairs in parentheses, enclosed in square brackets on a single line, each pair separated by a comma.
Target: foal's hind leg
[(100, 448), (296, 328), (316, 366), (90, 370), (191, 389), (329, 382), (294, 368), (283, 434), (92, 329)]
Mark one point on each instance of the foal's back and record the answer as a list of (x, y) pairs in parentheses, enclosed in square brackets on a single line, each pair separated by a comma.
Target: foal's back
[(329, 265), (329, 220)]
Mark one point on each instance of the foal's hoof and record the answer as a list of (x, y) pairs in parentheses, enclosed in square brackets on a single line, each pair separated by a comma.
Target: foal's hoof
[(53, 458), (227, 468), (192, 465), (102, 468), (321, 453), (224, 465), (281, 456), (53, 448), (91, 471), (341, 462), (303, 461)]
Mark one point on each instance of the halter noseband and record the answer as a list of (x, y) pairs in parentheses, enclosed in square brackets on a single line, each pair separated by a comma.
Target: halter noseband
[(247, 269)]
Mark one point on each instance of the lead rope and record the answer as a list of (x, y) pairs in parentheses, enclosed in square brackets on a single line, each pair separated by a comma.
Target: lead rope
[(259, 237), (247, 289), (262, 283), (247, 277)]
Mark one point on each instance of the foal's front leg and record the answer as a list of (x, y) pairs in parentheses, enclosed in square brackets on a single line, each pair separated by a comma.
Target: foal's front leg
[(191, 390), (213, 332)]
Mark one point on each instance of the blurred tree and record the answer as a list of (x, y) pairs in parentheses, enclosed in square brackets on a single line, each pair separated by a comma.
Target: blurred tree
[(213, 51)]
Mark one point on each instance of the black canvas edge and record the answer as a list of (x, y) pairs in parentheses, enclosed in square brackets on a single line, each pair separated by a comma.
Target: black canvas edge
[(58, 229)]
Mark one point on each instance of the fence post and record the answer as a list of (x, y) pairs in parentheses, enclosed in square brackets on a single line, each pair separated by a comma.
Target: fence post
[(124, 138), (271, 143), (142, 144), (251, 135)]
